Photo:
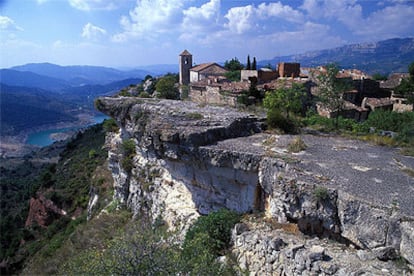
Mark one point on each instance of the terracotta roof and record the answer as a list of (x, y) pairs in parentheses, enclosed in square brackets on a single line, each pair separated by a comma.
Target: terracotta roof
[(203, 66), (185, 53)]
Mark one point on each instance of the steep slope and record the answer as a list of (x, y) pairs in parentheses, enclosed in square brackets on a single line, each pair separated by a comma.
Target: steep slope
[(177, 160)]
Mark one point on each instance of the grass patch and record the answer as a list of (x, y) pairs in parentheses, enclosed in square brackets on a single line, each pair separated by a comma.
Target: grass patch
[(297, 145), (321, 193), (194, 116)]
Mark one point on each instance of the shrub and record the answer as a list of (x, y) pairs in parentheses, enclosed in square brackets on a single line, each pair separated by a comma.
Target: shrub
[(217, 225), (109, 125), (297, 145), (144, 94), (128, 151), (276, 120), (321, 193)]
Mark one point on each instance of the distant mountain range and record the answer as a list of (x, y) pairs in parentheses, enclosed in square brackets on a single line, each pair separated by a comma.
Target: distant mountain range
[(80, 75), (384, 57)]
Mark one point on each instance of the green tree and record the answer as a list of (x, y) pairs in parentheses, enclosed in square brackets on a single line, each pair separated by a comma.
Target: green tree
[(254, 65), (286, 99), (248, 65), (331, 90), (379, 77), (233, 65), (166, 87)]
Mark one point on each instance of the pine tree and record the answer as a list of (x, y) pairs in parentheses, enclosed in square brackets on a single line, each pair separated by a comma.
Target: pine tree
[(248, 66), (254, 66)]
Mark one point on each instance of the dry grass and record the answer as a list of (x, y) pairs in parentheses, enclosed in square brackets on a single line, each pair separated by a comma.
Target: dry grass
[(297, 145)]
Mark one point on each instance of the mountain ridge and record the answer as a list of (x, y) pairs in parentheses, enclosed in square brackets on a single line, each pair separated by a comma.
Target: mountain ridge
[(384, 57)]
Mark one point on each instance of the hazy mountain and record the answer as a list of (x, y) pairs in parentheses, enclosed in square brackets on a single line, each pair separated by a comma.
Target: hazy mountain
[(392, 55), (29, 107), (81, 75), (24, 107), (160, 69), (30, 79)]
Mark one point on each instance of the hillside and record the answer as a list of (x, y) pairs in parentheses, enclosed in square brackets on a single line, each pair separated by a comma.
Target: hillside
[(81, 75), (30, 79), (387, 56), (30, 107), (25, 108)]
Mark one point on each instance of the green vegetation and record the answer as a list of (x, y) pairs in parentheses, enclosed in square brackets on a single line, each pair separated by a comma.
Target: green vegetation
[(217, 226), (143, 248), (66, 183), (331, 90), (194, 116), (110, 125), (321, 193), (406, 87), (128, 152), (374, 129), (297, 145), (166, 87), (234, 66), (283, 105), (379, 77)]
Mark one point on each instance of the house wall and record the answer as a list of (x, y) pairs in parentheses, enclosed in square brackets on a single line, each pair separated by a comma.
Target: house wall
[(265, 76), (289, 69), (246, 74), (194, 76), (211, 95)]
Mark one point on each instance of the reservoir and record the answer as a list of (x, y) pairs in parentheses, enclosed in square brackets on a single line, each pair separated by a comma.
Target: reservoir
[(43, 138)]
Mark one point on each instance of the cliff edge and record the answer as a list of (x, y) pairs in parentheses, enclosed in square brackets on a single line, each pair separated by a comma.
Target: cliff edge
[(189, 160)]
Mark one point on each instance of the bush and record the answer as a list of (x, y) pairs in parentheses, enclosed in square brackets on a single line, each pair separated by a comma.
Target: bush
[(275, 119), (128, 151), (321, 193), (109, 125), (297, 145), (217, 225)]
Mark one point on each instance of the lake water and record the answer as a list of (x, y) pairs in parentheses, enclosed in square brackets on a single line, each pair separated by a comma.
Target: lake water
[(43, 138)]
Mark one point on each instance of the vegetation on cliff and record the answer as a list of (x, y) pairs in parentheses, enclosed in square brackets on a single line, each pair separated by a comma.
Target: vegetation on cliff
[(67, 184)]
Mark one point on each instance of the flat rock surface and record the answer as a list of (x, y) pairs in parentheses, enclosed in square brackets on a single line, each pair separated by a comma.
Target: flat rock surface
[(373, 173)]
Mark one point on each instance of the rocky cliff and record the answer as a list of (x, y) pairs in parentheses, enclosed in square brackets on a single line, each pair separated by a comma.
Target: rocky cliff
[(189, 160)]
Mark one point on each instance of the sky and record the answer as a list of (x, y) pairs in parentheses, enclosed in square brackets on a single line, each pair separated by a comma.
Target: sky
[(133, 33)]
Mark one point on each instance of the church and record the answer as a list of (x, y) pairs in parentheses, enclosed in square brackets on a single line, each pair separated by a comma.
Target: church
[(192, 74)]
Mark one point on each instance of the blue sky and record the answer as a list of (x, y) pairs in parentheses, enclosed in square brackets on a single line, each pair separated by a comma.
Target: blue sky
[(130, 33)]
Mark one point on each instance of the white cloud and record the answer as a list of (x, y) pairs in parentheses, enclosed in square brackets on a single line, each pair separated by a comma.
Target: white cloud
[(88, 5), (279, 10), (246, 18), (389, 22), (8, 24), (92, 32), (201, 22), (150, 18), (240, 19), (207, 13)]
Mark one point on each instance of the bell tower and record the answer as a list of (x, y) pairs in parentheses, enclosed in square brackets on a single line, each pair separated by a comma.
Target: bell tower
[(185, 62)]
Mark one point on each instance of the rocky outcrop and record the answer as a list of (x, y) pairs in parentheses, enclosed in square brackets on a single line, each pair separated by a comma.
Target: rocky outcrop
[(42, 212), (191, 160)]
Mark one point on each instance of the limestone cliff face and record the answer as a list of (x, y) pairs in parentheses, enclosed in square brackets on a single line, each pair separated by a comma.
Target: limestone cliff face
[(191, 160)]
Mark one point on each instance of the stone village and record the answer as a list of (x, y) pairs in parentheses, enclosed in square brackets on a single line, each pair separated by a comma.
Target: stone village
[(207, 84)]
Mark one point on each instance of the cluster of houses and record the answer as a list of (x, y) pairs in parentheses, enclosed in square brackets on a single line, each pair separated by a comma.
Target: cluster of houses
[(207, 84)]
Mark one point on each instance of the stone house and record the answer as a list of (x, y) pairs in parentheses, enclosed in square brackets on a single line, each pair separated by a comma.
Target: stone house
[(206, 70), (259, 76)]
